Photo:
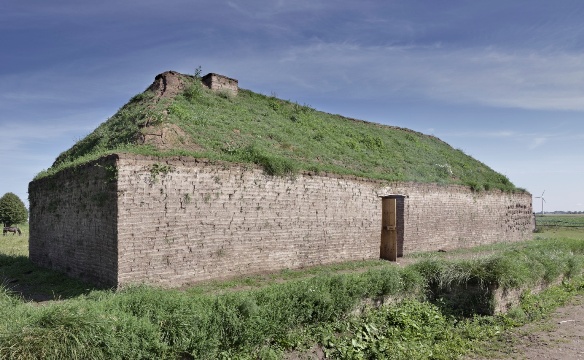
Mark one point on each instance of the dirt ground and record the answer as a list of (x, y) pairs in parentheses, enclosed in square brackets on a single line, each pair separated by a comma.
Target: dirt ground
[(560, 336)]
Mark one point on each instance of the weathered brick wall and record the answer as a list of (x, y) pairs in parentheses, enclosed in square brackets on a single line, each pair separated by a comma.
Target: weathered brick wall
[(73, 222), (448, 217), (221, 82), (201, 221), (182, 221), (128, 218)]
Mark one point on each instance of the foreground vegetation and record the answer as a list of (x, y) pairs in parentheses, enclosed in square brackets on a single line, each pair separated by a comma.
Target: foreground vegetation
[(270, 316), (281, 136)]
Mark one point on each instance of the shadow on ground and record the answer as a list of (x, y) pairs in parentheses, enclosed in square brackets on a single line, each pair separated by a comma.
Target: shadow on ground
[(33, 283)]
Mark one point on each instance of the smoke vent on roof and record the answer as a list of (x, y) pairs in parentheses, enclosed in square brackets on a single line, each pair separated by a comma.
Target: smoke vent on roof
[(218, 82)]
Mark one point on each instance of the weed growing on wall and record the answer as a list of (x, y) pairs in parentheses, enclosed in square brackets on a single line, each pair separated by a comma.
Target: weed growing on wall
[(157, 170), (187, 198)]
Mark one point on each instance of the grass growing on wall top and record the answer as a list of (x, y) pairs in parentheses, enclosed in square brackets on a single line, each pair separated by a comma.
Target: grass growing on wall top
[(283, 137)]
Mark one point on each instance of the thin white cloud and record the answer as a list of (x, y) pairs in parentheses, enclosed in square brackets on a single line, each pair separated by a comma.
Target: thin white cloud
[(48, 132), (482, 134), (537, 142), (262, 9), (80, 85), (479, 76)]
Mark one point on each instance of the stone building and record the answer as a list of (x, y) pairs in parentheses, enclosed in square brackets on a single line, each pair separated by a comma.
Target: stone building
[(173, 221), (131, 219)]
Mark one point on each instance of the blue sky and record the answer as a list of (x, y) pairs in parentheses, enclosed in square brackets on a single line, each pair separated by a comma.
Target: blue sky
[(501, 80)]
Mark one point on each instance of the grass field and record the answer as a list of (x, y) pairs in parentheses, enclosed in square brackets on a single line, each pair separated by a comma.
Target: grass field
[(268, 316), (567, 220), (15, 245)]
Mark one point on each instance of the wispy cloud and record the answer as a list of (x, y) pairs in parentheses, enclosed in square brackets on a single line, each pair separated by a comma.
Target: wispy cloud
[(482, 134), (537, 142), (535, 139), (480, 76), (28, 135), (261, 9)]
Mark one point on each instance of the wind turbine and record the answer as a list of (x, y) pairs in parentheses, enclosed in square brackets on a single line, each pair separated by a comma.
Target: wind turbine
[(542, 200)]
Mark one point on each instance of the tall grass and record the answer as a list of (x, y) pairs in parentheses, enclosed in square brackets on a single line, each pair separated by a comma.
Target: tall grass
[(273, 317), (171, 324)]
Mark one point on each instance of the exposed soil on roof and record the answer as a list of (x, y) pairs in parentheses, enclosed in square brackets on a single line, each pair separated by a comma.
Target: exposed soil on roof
[(167, 137)]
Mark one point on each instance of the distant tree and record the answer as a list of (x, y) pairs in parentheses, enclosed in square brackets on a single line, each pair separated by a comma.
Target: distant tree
[(12, 210)]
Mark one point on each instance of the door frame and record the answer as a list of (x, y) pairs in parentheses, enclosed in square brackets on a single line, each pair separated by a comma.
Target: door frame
[(392, 226)]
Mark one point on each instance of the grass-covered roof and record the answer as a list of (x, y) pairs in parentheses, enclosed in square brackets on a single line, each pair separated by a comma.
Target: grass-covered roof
[(178, 115)]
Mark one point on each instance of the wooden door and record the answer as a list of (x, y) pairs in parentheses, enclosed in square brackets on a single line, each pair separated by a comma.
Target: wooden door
[(388, 248)]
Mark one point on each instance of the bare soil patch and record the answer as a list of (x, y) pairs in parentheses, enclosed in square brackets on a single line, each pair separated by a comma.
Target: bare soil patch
[(559, 336)]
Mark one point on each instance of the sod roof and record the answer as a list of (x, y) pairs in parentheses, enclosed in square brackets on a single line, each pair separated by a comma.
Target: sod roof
[(179, 115)]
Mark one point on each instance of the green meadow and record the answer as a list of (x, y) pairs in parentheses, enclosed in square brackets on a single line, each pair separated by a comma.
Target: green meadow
[(560, 221), (45, 315)]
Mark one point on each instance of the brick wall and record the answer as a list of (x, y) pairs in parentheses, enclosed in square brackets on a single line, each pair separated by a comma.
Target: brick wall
[(73, 222), (448, 217), (182, 220), (220, 82), (201, 221)]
